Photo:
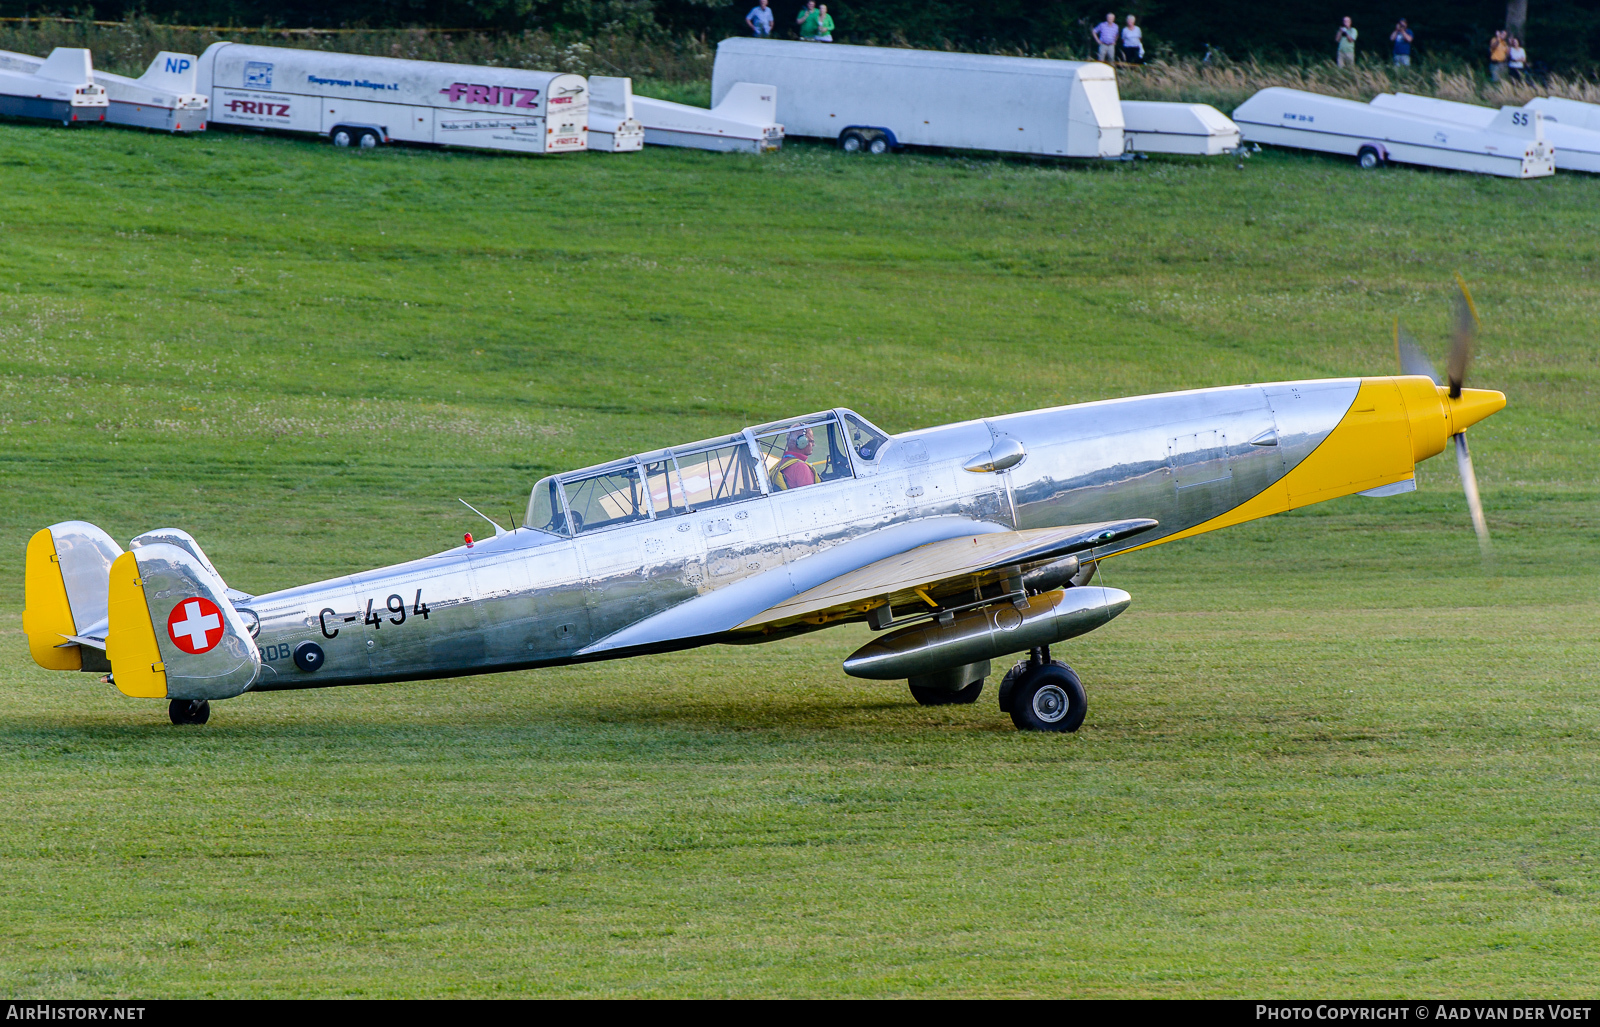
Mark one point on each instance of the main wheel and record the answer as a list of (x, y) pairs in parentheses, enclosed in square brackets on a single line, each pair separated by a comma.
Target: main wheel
[(189, 711), (943, 697), (1369, 157), (851, 141), (341, 136), (1051, 698)]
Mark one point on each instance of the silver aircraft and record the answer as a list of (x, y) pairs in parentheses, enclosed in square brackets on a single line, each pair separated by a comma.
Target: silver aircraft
[(958, 545)]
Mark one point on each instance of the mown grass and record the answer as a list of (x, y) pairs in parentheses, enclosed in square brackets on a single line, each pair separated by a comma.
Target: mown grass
[(1327, 753)]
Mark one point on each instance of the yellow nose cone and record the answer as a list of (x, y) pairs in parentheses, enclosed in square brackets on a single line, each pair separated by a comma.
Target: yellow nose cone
[(1472, 406)]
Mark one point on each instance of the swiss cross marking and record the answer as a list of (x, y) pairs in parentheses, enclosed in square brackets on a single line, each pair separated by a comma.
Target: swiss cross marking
[(195, 625)]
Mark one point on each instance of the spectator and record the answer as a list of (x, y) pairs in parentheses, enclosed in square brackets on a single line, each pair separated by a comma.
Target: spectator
[(1105, 34), (760, 20), (1517, 59), (1401, 37), (824, 25), (807, 19), (1132, 43), (1346, 40), (1499, 54)]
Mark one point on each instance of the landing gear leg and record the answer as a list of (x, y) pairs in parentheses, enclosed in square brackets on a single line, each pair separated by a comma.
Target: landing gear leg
[(1042, 694), (189, 711)]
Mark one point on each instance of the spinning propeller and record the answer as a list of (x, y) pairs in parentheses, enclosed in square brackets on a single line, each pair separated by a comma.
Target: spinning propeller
[(1414, 361)]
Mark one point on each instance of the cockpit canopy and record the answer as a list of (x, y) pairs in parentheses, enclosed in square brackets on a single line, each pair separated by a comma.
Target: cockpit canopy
[(793, 453)]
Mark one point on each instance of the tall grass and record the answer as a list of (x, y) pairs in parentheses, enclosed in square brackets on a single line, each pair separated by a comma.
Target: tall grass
[(1227, 85), (672, 63)]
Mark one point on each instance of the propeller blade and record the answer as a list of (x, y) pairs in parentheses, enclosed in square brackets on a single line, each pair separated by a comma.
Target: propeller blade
[(1466, 329), (1469, 485), (1412, 359)]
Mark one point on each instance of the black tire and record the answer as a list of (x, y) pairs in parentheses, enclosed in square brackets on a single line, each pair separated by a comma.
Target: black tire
[(189, 711), (940, 697), (1008, 684), (367, 139), (1369, 157), (1049, 699), (341, 137), (852, 141), (878, 146)]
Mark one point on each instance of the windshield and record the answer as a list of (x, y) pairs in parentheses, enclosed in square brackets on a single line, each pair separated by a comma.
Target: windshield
[(544, 509)]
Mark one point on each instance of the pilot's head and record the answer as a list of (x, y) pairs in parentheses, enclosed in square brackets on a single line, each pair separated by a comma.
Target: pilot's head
[(800, 440)]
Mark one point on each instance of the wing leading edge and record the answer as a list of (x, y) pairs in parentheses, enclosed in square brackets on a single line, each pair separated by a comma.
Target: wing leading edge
[(939, 569)]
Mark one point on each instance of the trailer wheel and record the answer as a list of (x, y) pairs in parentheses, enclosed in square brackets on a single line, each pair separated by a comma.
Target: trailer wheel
[(367, 139), (340, 136), (1369, 157), (852, 141), (878, 146)]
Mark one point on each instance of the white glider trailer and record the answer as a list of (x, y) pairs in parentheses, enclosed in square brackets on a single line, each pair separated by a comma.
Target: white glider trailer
[(1373, 135), (612, 126), (1567, 112), (878, 98), (1196, 129), (1577, 149), (163, 98), (60, 87), (744, 119), (364, 101)]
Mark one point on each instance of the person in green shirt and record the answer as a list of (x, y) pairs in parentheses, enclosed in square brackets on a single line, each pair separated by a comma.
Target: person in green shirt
[(808, 20), (1346, 39), (824, 25)]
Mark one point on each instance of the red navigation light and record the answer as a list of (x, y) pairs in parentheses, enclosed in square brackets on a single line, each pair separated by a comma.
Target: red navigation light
[(468, 537)]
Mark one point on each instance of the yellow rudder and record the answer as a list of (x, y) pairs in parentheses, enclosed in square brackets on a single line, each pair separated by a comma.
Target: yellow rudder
[(46, 614), (136, 665)]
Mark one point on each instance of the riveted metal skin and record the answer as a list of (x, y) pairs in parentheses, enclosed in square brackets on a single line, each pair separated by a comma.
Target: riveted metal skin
[(170, 576), (675, 580)]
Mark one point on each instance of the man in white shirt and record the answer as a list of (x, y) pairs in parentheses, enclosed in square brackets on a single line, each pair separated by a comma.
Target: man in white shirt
[(1132, 43), (760, 20), (1105, 34)]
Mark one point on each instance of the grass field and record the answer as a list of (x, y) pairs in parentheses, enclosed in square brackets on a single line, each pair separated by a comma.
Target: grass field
[(1329, 753)]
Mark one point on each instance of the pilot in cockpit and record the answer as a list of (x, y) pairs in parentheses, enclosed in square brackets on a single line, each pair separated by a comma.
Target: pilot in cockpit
[(792, 470)]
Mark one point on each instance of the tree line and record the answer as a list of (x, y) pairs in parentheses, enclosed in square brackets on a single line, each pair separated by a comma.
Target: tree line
[(1563, 33)]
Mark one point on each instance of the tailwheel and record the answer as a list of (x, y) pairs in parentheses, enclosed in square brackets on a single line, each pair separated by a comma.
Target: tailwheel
[(189, 711), (1042, 694)]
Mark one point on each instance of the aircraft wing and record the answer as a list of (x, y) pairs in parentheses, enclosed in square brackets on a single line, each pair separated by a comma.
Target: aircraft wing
[(947, 557), (940, 569)]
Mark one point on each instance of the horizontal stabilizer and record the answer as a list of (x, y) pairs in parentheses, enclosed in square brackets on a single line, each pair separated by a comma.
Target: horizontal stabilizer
[(173, 631)]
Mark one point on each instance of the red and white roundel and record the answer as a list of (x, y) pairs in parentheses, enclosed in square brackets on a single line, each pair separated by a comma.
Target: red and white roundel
[(195, 625)]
